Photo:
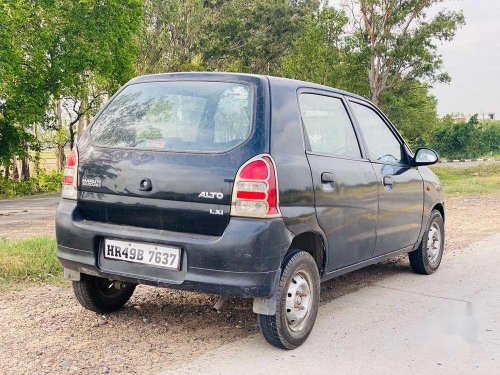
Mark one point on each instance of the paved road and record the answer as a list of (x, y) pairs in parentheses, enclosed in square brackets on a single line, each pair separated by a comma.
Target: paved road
[(447, 323), (30, 208)]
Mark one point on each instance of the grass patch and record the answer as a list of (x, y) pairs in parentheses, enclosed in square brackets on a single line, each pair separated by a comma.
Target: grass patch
[(481, 179), (29, 261)]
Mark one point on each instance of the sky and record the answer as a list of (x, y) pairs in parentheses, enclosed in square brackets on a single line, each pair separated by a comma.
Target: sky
[(473, 60)]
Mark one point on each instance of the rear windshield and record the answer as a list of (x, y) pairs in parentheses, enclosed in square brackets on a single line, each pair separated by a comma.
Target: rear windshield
[(177, 116)]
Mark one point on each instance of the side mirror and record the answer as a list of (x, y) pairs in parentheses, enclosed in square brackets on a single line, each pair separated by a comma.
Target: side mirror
[(425, 156)]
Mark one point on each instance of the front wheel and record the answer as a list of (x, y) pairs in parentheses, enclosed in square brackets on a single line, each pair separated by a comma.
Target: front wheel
[(102, 295), (427, 257), (296, 304)]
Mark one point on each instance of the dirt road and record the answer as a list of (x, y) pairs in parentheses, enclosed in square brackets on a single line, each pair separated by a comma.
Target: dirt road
[(28, 217), (45, 331)]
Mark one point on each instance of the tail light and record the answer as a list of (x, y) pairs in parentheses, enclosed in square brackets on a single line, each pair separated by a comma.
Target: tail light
[(70, 176), (255, 192)]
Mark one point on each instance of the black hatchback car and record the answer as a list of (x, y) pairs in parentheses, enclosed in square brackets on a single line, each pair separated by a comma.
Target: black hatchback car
[(242, 185)]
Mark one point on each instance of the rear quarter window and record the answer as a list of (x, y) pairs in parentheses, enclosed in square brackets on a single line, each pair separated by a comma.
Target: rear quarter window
[(192, 116)]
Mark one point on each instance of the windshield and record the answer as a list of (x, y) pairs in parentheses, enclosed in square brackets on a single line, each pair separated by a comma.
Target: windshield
[(177, 116)]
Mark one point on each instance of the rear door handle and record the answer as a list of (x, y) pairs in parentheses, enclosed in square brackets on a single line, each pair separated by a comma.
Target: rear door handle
[(387, 180), (327, 178)]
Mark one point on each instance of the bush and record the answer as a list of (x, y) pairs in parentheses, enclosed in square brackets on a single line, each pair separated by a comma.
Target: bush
[(43, 183), (466, 140)]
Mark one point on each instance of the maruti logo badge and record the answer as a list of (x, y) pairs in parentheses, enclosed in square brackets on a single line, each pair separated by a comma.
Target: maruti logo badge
[(93, 182), (211, 195)]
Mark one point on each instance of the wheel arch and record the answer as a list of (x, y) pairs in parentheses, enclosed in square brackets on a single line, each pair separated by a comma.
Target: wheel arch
[(440, 208), (313, 243)]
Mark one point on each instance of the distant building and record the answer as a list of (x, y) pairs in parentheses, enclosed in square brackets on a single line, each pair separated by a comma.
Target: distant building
[(462, 118)]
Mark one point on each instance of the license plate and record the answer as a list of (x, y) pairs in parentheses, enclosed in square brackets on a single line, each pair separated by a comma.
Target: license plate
[(154, 255)]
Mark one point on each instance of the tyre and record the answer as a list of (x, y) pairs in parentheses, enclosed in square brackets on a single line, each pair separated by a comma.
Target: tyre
[(296, 304), (427, 257), (102, 295)]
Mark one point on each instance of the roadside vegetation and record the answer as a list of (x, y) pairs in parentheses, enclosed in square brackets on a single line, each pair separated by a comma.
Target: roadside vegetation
[(481, 179), (467, 140), (57, 70), (42, 183), (29, 261)]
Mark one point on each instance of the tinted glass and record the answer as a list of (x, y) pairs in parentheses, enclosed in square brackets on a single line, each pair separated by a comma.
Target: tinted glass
[(328, 126), (381, 142), (177, 116)]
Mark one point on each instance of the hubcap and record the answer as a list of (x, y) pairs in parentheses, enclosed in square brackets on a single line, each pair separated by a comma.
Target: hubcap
[(433, 243), (298, 301)]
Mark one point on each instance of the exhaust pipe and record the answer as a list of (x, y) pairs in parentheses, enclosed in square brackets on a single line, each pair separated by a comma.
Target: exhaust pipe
[(220, 302)]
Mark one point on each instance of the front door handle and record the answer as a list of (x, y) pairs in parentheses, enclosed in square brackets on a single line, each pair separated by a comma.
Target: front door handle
[(387, 180), (327, 178)]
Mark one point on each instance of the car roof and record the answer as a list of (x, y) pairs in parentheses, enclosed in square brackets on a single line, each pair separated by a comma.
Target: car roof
[(292, 83)]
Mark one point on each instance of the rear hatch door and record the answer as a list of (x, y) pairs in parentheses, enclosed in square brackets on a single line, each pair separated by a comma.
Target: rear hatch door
[(163, 154)]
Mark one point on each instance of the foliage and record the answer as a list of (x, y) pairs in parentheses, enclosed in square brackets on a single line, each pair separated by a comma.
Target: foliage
[(59, 47), (319, 54), (32, 260), (412, 110), (26, 33), (43, 183), (481, 179), (401, 40), (466, 140), (75, 54), (252, 36), (170, 35)]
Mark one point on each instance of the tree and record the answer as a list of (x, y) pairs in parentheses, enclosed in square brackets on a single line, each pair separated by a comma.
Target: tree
[(253, 36), (401, 40), (57, 49), (26, 32), (96, 56), (322, 55), (170, 35), (412, 110)]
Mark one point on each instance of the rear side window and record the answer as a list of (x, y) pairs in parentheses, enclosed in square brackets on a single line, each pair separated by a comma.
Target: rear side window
[(328, 126), (382, 144), (192, 116)]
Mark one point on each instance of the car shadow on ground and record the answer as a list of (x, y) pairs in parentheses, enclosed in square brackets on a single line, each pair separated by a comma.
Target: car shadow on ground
[(194, 311)]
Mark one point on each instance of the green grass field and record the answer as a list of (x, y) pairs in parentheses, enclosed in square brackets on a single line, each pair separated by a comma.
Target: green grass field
[(29, 261), (482, 179)]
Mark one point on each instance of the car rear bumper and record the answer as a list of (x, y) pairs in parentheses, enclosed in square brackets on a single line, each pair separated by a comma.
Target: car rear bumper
[(245, 261)]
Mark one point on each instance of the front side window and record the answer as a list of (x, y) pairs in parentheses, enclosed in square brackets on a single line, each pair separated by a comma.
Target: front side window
[(191, 116), (328, 126), (382, 144)]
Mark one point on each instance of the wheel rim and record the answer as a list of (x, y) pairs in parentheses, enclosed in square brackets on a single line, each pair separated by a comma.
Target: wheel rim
[(298, 300), (434, 243)]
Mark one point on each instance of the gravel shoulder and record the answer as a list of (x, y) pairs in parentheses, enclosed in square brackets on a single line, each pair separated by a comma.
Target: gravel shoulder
[(44, 330)]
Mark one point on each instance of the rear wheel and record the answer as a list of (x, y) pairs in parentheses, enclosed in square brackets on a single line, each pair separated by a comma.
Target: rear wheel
[(427, 257), (102, 295), (297, 303)]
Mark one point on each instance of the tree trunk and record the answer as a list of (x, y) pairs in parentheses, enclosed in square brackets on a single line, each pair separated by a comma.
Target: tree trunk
[(25, 169), (15, 169), (36, 163), (72, 135), (61, 157), (82, 124)]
